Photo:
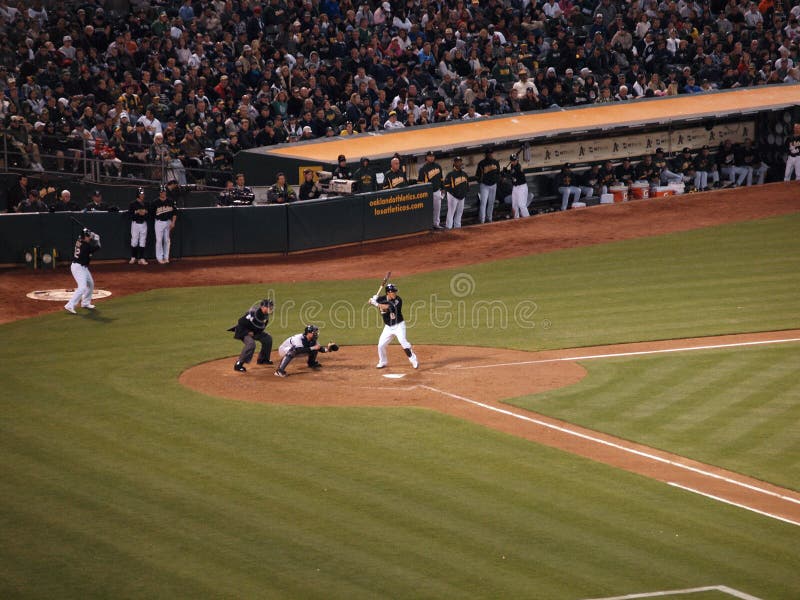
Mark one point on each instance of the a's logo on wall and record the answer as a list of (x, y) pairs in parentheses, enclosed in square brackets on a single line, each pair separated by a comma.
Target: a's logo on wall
[(63, 295)]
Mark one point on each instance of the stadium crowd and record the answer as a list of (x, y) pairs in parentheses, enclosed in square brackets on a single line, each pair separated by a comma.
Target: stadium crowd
[(190, 83)]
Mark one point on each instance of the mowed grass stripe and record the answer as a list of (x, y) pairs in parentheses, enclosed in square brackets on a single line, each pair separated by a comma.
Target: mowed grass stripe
[(728, 407)]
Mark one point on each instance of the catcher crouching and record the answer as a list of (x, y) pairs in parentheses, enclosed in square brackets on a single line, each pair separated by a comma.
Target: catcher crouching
[(302, 343)]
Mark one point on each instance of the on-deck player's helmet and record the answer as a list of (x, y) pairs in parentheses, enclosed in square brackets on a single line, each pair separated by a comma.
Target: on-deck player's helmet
[(391, 288), (311, 329), (140, 191)]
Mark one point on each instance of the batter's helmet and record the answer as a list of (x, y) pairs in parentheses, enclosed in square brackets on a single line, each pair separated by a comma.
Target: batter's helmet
[(391, 288), (311, 329)]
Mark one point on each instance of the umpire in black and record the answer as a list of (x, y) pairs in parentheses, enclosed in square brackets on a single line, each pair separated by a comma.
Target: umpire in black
[(251, 329)]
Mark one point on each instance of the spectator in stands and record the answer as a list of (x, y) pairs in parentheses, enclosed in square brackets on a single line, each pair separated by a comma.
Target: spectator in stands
[(309, 189), (17, 194), (281, 192), (96, 203), (65, 203), (32, 204)]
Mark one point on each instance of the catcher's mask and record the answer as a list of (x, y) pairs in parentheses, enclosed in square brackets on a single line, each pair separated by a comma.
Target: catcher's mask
[(311, 329)]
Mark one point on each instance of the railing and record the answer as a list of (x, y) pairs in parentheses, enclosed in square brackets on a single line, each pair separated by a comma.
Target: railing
[(91, 163)]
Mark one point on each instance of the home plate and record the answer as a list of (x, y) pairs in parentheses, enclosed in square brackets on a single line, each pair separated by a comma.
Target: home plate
[(394, 375)]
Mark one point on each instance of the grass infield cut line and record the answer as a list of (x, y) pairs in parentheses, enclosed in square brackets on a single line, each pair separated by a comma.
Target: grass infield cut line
[(713, 497), (711, 588), (616, 446), (639, 353)]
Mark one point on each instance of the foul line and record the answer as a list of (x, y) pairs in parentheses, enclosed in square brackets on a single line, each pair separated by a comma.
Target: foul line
[(710, 588), (639, 353), (616, 446), (750, 508)]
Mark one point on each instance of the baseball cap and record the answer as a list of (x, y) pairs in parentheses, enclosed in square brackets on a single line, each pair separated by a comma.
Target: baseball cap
[(457, 159), (341, 158), (513, 157), (429, 153)]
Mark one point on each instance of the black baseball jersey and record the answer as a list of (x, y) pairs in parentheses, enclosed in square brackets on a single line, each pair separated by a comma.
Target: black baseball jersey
[(517, 175), (342, 173), (794, 145), (565, 178), (394, 179), (394, 314), (488, 171), (703, 162), (82, 254), (457, 183), (164, 210), (625, 173), (366, 179), (96, 206), (137, 211), (253, 320), (431, 172)]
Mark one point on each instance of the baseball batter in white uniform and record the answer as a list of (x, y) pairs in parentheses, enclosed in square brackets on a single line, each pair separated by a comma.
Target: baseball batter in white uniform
[(391, 307), (86, 244)]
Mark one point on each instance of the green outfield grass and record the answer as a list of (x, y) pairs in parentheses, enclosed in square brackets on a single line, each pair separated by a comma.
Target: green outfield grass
[(119, 482)]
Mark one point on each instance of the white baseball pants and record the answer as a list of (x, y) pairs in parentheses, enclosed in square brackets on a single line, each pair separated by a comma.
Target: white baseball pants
[(390, 331), (519, 201), (792, 166), (162, 240), (486, 196), (437, 208), (83, 293), (138, 234), (455, 208)]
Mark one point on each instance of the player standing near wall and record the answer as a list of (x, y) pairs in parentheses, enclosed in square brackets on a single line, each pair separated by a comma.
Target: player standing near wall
[(431, 172), (137, 212), (793, 160), (165, 213)]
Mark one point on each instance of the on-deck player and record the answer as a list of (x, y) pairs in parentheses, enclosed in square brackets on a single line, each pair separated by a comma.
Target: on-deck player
[(86, 244), (391, 307)]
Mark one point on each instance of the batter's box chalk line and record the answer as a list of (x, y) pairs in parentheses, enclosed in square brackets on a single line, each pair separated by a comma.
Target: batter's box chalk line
[(698, 590)]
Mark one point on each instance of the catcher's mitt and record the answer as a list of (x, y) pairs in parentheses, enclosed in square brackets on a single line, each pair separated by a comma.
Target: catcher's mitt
[(330, 348)]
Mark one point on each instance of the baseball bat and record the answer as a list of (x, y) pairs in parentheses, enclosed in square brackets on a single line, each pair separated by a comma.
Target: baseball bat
[(81, 225), (384, 282)]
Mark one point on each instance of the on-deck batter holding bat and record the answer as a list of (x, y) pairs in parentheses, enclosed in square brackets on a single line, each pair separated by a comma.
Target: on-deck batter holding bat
[(391, 307)]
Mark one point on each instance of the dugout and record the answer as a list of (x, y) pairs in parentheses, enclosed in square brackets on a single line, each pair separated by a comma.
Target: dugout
[(548, 139)]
